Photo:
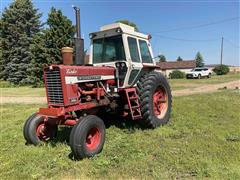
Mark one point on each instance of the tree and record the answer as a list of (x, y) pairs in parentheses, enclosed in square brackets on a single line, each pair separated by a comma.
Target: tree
[(47, 44), (199, 60), (19, 23), (127, 22), (60, 34), (179, 58), (162, 58)]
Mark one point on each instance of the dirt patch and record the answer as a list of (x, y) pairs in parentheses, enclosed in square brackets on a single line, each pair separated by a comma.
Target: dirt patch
[(183, 92)]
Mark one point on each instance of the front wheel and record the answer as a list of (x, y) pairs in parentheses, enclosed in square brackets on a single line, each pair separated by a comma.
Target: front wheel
[(209, 75), (199, 76), (87, 137), (35, 130), (155, 99)]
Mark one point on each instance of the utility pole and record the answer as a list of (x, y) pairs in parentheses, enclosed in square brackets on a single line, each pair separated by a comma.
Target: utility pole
[(221, 52)]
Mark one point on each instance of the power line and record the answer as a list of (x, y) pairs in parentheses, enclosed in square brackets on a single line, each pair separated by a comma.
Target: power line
[(187, 40), (200, 25), (233, 44)]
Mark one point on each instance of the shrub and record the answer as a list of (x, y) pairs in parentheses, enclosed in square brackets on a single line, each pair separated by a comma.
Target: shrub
[(176, 74), (221, 69)]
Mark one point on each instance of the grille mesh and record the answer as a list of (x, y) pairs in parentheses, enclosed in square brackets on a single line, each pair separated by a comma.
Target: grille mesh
[(54, 87)]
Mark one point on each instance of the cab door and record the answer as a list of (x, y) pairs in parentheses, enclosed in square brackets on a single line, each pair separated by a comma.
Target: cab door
[(134, 60)]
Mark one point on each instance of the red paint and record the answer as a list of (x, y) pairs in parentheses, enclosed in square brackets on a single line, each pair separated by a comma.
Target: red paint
[(70, 122), (93, 138)]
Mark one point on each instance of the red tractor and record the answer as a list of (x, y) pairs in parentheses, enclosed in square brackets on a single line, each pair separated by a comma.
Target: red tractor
[(121, 77)]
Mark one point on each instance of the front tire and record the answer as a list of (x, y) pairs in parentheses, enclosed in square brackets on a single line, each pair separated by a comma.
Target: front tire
[(155, 100), (35, 130), (87, 137), (199, 76)]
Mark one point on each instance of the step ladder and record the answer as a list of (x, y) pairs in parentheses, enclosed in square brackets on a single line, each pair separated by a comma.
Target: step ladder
[(133, 103)]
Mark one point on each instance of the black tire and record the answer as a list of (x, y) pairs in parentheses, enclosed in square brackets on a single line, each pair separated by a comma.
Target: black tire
[(30, 130), (146, 89), (80, 133), (209, 75), (25, 127), (199, 76)]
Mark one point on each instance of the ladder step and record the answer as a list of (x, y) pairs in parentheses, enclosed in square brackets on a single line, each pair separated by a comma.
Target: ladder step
[(133, 98), (136, 117), (135, 107)]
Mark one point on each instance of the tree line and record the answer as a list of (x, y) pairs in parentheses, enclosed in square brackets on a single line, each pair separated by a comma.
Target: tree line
[(29, 44)]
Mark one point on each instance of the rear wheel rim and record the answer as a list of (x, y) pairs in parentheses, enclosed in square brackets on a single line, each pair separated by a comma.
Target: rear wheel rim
[(93, 138), (160, 102)]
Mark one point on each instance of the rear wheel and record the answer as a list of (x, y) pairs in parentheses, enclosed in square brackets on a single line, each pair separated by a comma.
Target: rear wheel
[(199, 76), (35, 130), (155, 100), (87, 137)]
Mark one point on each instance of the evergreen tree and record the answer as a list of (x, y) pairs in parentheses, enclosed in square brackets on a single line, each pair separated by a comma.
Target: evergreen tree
[(60, 34), (19, 23), (47, 44), (179, 58), (127, 22), (199, 60), (39, 59), (162, 58)]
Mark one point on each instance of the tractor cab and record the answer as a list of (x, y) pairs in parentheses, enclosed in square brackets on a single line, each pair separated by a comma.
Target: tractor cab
[(120, 46)]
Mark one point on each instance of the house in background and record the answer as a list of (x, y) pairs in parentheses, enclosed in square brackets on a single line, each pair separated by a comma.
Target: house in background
[(184, 66)]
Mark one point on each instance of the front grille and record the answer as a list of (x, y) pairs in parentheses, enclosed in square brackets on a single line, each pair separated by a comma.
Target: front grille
[(54, 87)]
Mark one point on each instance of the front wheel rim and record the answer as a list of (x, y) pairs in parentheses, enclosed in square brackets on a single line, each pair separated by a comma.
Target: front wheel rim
[(160, 102), (44, 132), (93, 138)]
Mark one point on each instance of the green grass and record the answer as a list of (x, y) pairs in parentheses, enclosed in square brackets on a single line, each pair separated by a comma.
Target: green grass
[(177, 84), (201, 141), (22, 92)]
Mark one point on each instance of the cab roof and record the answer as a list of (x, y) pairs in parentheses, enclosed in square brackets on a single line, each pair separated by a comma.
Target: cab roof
[(125, 29)]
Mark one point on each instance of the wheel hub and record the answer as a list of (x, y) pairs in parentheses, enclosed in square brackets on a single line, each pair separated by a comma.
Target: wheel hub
[(160, 102), (43, 132), (93, 138)]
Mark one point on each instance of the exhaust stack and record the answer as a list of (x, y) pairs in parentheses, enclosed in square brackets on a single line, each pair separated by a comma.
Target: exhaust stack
[(79, 42)]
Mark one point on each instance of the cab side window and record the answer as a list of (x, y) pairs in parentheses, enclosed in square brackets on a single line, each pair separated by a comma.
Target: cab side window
[(133, 48), (145, 54)]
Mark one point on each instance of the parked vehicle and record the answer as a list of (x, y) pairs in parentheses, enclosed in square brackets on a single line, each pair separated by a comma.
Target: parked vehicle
[(199, 73), (120, 78)]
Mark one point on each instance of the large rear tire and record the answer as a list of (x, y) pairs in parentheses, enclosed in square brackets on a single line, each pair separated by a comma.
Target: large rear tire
[(87, 137), (155, 100), (35, 130)]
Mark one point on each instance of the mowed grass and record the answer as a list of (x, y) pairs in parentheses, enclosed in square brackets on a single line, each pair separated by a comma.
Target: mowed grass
[(177, 84), (201, 141), (22, 92)]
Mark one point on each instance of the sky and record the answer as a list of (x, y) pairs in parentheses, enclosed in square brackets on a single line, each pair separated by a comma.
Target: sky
[(178, 28)]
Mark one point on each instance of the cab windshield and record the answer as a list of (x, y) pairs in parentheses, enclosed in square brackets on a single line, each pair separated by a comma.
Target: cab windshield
[(108, 49)]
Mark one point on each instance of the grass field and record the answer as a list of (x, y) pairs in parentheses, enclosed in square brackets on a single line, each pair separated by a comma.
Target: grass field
[(192, 83), (201, 141)]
